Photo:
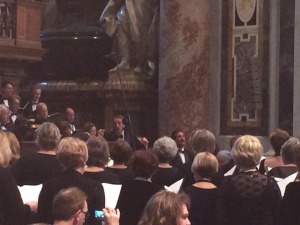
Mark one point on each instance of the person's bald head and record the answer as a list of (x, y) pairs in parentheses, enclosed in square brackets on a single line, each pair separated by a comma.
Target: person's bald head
[(42, 110), (70, 115)]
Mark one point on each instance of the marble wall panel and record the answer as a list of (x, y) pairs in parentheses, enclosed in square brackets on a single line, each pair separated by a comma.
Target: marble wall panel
[(183, 65), (286, 65), (245, 63)]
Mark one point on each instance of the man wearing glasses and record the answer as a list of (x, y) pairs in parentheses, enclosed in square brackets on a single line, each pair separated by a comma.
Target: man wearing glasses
[(70, 208)]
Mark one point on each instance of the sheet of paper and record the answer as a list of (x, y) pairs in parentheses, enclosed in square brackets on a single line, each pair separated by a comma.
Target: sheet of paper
[(282, 184), (112, 192), (230, 172), (278, 179), (263, 157), (30, 192), (175, 187)]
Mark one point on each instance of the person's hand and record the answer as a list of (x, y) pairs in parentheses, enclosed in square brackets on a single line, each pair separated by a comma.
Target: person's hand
[(100, 132), (144, 141), (33, 205), (112, 216)]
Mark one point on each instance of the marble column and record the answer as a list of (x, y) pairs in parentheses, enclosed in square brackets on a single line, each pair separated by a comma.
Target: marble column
[(287, 47), (296, 106), (274, 63), (183, 65)]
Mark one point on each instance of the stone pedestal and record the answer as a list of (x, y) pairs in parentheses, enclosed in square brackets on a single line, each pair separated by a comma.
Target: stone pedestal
[(183, 68), (97, 101)]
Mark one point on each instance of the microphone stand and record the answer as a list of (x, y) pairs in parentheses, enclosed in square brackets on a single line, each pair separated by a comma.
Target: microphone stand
[(124, 96), (25, 107)]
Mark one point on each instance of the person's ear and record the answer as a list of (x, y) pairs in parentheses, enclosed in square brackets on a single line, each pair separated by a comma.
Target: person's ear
[(76, 217)]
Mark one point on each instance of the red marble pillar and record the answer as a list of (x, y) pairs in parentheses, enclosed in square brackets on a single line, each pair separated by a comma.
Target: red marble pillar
[(183, 65)]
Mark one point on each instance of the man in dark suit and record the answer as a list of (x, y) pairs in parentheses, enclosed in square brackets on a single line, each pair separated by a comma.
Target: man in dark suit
[(7, 89), (70, 117), (118, 129), (14, 106), (118, 132), (183, 155), (29, 109), (41, 113)]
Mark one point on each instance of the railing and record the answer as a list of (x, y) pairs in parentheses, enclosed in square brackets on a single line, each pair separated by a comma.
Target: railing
[(8, 19), (20, 23)]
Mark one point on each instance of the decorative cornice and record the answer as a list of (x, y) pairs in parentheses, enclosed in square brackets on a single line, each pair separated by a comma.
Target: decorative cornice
[(21, 53)]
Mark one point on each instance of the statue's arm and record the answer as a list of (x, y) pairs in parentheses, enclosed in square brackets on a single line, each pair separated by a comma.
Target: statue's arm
[(112, 8), (119, 4), (109, 16)]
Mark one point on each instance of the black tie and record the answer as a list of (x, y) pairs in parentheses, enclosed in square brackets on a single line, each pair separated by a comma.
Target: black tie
[(180, 150)]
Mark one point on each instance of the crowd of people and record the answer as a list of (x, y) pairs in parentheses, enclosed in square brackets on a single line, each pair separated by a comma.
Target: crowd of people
[(233, 186)]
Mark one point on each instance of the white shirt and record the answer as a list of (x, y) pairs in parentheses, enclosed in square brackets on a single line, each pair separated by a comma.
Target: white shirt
[(33, 105), (6, 102), (181, 154), (13, 118), (73, 129)]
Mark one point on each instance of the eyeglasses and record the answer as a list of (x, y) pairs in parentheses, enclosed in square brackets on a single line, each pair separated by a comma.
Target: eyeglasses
[(87, 214)]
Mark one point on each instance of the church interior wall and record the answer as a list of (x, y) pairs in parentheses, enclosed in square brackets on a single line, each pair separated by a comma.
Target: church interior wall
[(230, 66)]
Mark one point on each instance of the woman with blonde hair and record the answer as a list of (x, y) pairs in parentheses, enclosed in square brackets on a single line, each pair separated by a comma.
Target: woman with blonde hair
[(203, 194), (72, 153), (12, 209), (166, 208), (14, 146), (201, 140), (249, 197)]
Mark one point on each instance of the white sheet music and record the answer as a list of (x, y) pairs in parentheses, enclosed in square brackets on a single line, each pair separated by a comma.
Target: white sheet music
[(278, 179), (175, 187), (263, 157), (282, 184), (112, 192), (230, 172), (267, 169), (30, 192)]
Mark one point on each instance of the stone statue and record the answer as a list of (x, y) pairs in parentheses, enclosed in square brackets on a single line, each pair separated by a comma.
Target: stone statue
[(134, 24)]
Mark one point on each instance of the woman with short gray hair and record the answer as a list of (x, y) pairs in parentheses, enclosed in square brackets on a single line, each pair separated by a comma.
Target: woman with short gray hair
[(34, 169), (288, 158), (48, 136), (98, 152), (166, 149), (203, 141)]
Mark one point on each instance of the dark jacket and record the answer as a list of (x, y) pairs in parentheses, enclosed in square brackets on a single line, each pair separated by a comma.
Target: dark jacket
[(12, 209), (70, 178)]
